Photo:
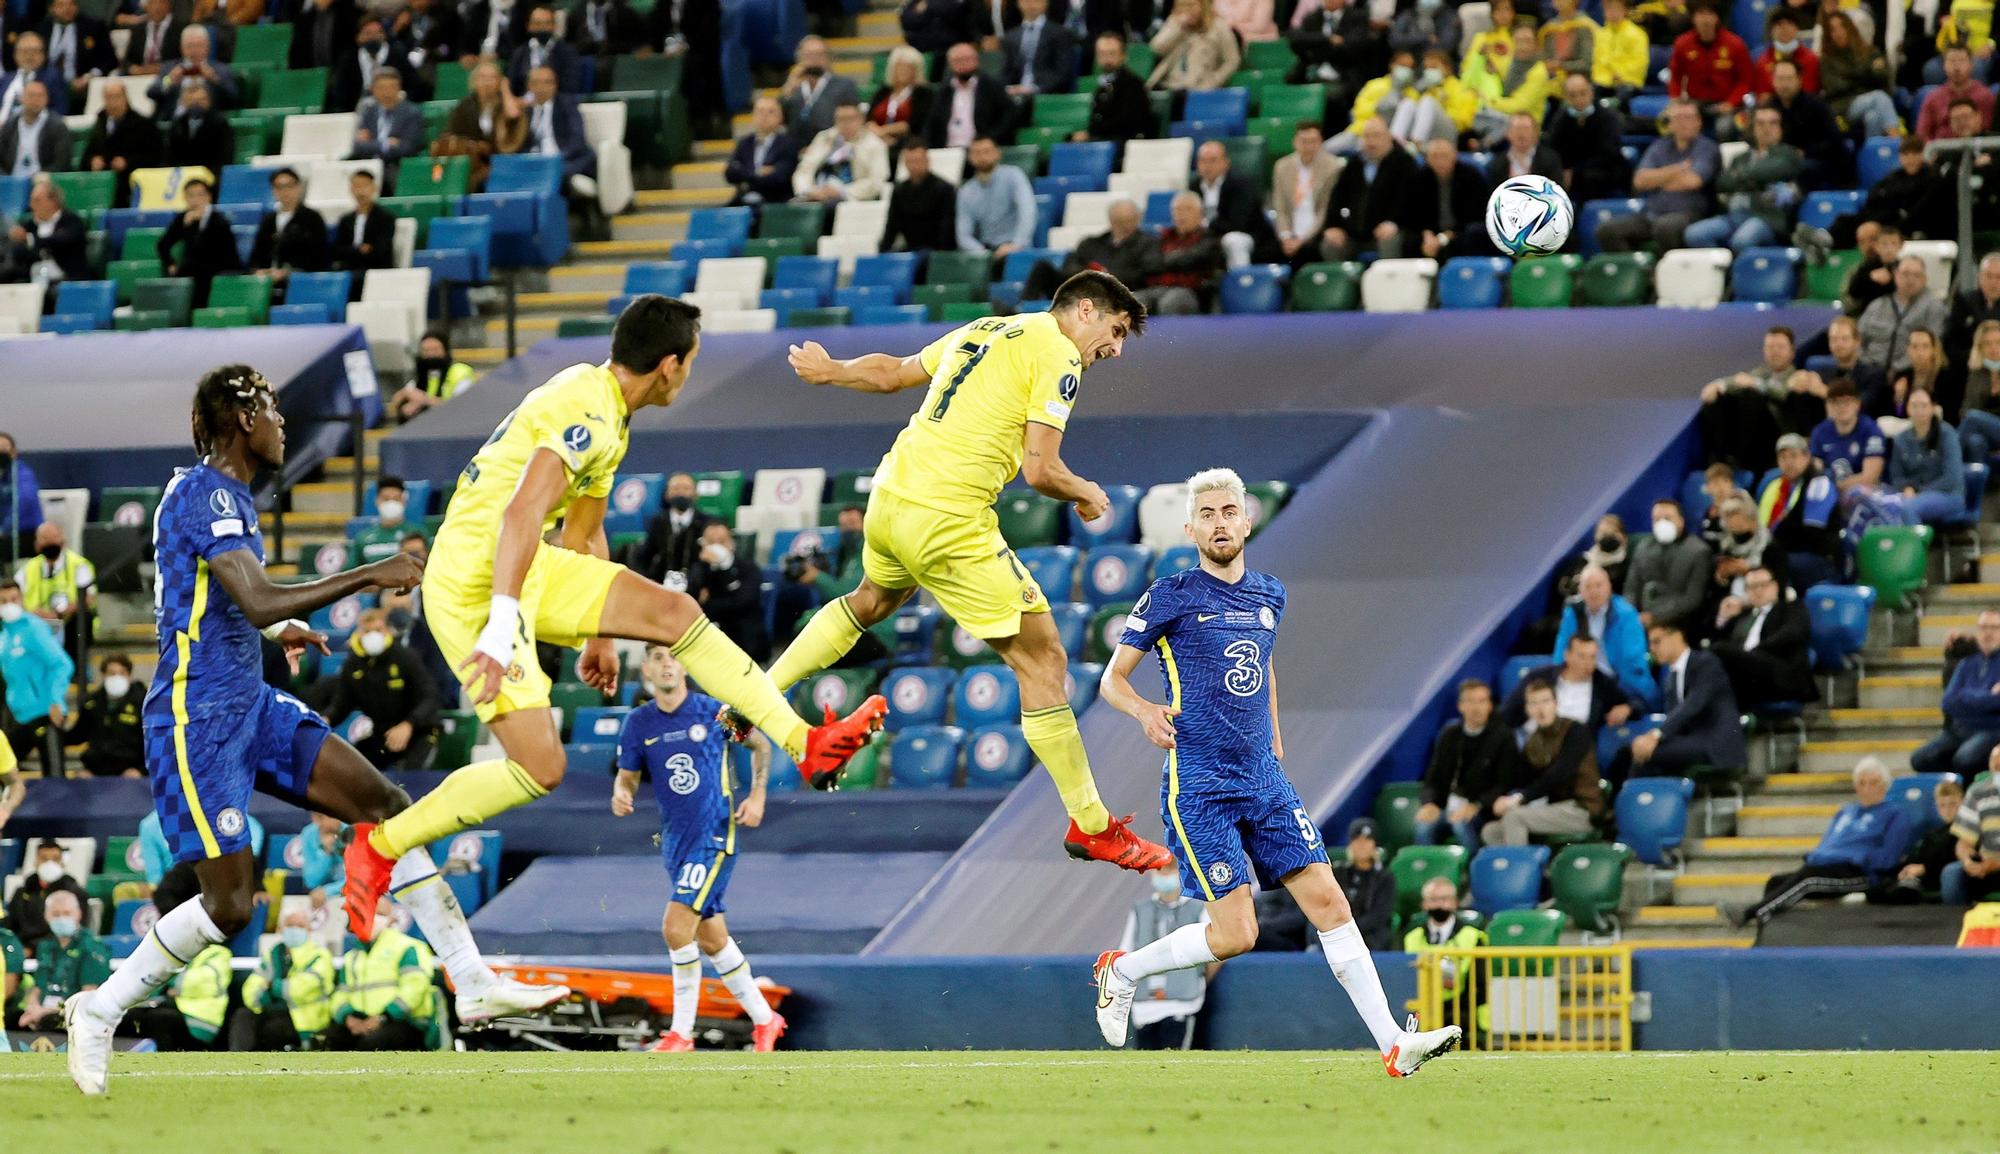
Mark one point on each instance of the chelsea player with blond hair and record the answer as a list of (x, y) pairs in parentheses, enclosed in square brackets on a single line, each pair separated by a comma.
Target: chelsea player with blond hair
[(1225, 800)]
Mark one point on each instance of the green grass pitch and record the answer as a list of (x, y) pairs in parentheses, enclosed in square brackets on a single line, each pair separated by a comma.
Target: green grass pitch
[(948, 1103)]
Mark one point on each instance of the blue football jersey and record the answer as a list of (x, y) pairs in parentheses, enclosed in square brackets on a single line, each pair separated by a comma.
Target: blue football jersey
[(211, 657), (1214, 641), (687, 755)]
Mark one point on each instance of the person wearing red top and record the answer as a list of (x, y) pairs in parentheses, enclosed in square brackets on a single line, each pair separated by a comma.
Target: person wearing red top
[(1934, 118), (1711, 65), (1785, 44)]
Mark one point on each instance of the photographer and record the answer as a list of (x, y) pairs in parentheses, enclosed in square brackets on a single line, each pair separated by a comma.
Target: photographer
[(814, 576), (674, 535), (731, 591)]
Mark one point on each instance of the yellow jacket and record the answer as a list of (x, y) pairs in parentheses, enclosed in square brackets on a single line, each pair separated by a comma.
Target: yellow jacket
[(201, 993), (393, 976), (304, 983), (1485, 78), (1970, 23), (1621, 56), (1458, 102)]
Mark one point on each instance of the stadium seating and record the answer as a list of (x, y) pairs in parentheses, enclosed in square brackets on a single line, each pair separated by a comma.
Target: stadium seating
[(1115, 573), (1508, 878), (1652, 817), (996, 756), (1472, 282), (1587, 882), (917, 695), (1413, 865), (925, 756), (1398, 286), (1053, 567), (1544, 283), (987, 695)]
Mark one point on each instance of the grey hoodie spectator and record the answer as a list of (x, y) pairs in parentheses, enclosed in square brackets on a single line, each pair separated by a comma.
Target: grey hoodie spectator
[(1887, 321), (1670, 568)]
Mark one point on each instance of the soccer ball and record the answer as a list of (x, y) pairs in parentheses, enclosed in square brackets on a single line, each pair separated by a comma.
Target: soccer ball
[(1529, 216)]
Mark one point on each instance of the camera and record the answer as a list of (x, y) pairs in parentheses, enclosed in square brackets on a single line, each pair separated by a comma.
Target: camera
[(795, 563)]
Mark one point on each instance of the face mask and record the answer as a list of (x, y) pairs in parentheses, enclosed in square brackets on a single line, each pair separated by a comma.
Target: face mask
[(814, 72), (1992, 366), (724, 559), (400, 620), (1665, 531), (1430, 5), (1785, 46), (63, 927), (1579, 113), (295, 936), (542, 38), (1743, 538), (1433, 76), (10, 613), (1609, 544), (850, 541), (6, 459), (51, 552), (116, 686), (50, 872), (1166, 887), (1401, 74), (374, 642), (680, 504), (1438, 916), (389, 510), (433, 366)]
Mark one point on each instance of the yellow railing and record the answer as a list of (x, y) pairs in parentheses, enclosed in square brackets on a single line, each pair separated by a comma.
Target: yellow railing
[(1514, 998)]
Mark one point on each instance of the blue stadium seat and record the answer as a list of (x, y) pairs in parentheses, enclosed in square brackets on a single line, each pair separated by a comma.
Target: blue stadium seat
[(1693, 497), (472, 235), (1508, 877), (1477, 160), (635, 497), (1229, 106), (1652, 817), (524, 187), (593, 757), (666, 277), (1876, 160), (856, 297), (1255, 288), (330, 666), (730, 225), (1611, 739), (1116, 573), (917, 695), (1159, 211), (1094, 159), (1054, 569), (246, 241), (784, 300), (595, 723), (916, 633), (118, 221), (300, 315), (1072, 621), (468, 889), (1766, 275), (1822, 208), (95, 299), (1061, 186), (1175, 559), (1648, 107), (1515, 670), (996, 756), (244, 186), (1746, 19), (472, 853), (1596, 212), (1473, 282), (925, 757), (1046, 215), (1020, 263), (895, 271), (890, 315), (987, 695), (324, 288), (14, 195), (280, 851), (1080, 684), (1912, 795), (1976, 474), (695, 251), (820, 274), (338, 617), (1119, 525)]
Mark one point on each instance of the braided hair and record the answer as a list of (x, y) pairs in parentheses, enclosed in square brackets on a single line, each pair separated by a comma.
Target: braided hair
[(223, 394)]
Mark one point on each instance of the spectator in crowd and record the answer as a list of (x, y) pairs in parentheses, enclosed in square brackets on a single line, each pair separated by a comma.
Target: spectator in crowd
[(1669, 570), (199, 136), (1853, 77), (1743, 545), (543, 50), (1875, 277), (1558, 790), (1887, 322), (1924, 864), (697, 26), (1970, 310), (386, 683), (1125, 250), (1860, 849), (1426, 26), (1232, 207), (555, 128), (1849, 446), (605, 28), (406, 621), (1927, 465), (1449, 214), (1167, 1005), (1782, 44), (674, 537), (1979, 413), (1502, 19), (1971, 709), (387, 127), (206, 245), (69, 959), (288, 998), (13, 966), (1843, 339), (1416, 106), (1195, 49), (1942, 219), (48, 243), (366, 237), (43, 879), (1808, 126), (1301, 185), (923, 208), (1800, 508), (1718, 484), (1522, 153), (1369, 886), (354, 76), (932, 26), (428, 32), (1974, 874), (120, 141), (1676, 174), (1758, 190), (1442, 927), (813, 90), (36, 672), (1252, 20), (1702, 725), (1621, 636), (20, 499), (846, 162), (438, 378), (761, 166), (1119, 109), (155, 40), (1334, 43), (108, 723), (1743, 413), (902, 104), (196, 62), (292, 237), (487, 121), (321, 868), (1039, 54), (386, 999), (1473, 761), (730, 589), (1926, 371), (1369, 199), (31, 66), (383, 539), (818, 570), (58, 584), (1711, 66), (321, 30), (1620, 56), (1934, 115), (996, 204), (1584, 693), (972, 104), (1510, 78), (1587, 140), (34, 139), (1569, 40), (1191, 263), (1762, 643)]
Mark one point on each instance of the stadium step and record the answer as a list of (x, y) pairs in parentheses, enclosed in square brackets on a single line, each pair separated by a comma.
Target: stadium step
[(1703, 943), (342, 468), (700, 174), (593, 277), (1979, 593), (647, 199), (1693, 925), (561, 303), (618, 252), (880, 23), (1715, 889), (862, 48), (1931, 630), (322, 497), (654, 226), (713, 149), (527, 330), (1840, 756), (1890, 691), (484, 358), (1759, 819), (1735, 855)]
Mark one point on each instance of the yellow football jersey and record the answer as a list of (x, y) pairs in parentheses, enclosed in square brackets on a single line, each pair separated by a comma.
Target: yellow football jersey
[(988, 380), (580, 416)]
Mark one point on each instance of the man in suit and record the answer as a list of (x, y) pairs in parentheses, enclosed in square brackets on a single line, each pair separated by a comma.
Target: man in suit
[(366, 237), (34, 139), (813, 90), (923, 209), (492, 28), (387, 127), (1370, 202), (543, 50), (555, 128), (1587, 140), (1448, 205), (199, 136), (46, 232), (730, 589), (970, 105), (1040, 53), (155, 42), (1119, 108), (1301, 185), (698, 25), (605, 28), (1231, 207), (1763, 643), (760, 167), (1584, 692), (322, 32), (428, 32), (1335, 45), (31, 65), (354, 76), (1522, 153), (121, 140), (197, 62), (673, 537), (1702, 726), (291, 237), (206, 246), (78, 47)]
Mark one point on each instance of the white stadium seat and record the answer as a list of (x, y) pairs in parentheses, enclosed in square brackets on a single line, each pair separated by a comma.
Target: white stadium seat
[(21, 306), (1730, 150), (860, 218), (1137, 186), (1065, 238), (713, 302), (391, 338), (408, 288), (1939, 257), (327, 190), (846, 248), (1398, 286), (739, 321), (405, 241), (740, 275), (788, 489), (1691, 278), (947, 164), (329, 135), (604, 128), (135, 94), (69, 508), (1088, 210), (1162, 513), (1174, 156)]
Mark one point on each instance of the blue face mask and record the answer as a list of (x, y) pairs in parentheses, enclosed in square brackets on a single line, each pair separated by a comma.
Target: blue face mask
[(295, 936), (63, 927), (1165, 886), (1401, 75)]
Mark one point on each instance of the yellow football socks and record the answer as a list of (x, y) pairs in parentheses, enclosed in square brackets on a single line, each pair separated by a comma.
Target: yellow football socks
[(825, 639), (1053, 735), (462, 801), (727, 674)]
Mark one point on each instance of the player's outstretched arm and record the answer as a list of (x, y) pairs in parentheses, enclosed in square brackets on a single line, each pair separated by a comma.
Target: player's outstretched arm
[(267, 603), (873, 373), (1043, 469), (1116, 687)]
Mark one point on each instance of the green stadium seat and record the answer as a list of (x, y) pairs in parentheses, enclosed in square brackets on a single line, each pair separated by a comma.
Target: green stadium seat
[(1588, 882), (962, 312), (1026, 157), (970, 269), (805, 222), (1537, 929), (128, 504), (1098, 640), (817, 318), (223, 318), (433, 176), (570, 696), (85, 193), (1038, 139), (126, 273), (1327, 287), (1894, 561), (1618, 279), (458, 732), (1254, 79), (120, 856), (1069, 110), (771, 248), (1396, 815), (651, 73), (142, 320), (1163, 109), (172, 295), (1545, 283), (423, 209), (852, 486), (844, 689), (864, 769), (1414, 865), (656, 124), (1294, 102), (252, 293), (1275, 133), (585, 326), (141, 244), (1027, 518), (248, 143), (1249, 155), (96, 247), (269, 44), (1266, 498), (934, 297), (1826, 282), (1265, 55), (437, 114), (719, 494), (294, 89)]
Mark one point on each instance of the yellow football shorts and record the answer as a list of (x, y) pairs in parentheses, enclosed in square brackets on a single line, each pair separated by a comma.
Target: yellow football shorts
[(963, 561), (561, 603)]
